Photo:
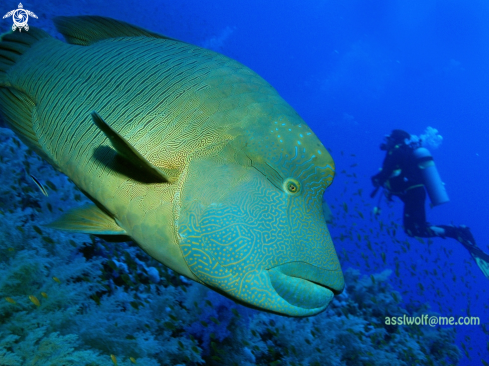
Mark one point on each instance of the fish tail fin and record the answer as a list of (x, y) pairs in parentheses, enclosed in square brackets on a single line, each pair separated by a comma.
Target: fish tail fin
[(17, 108)]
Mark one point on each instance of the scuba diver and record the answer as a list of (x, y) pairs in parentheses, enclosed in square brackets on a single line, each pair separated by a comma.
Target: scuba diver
[(408, 171)]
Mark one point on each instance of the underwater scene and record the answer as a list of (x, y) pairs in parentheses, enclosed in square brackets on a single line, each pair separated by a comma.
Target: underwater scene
[(244, 183)]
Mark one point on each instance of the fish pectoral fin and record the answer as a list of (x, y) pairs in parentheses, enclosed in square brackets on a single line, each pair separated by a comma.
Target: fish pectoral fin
[(86, 30), (88, 219), (129, 153)]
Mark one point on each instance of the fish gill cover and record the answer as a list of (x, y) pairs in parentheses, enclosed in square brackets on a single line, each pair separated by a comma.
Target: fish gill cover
[(74, 299)]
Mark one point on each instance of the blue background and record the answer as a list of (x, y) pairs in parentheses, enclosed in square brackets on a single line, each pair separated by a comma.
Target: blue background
[(355, 70)]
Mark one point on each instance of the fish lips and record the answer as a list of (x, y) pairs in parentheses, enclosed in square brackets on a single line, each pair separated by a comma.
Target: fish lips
[(306, 286)]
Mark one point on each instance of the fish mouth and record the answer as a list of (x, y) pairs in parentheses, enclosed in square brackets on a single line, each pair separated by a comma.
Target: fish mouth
[(306, 286)]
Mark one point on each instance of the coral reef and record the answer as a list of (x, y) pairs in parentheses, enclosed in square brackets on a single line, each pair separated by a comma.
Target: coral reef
[(77, 300)]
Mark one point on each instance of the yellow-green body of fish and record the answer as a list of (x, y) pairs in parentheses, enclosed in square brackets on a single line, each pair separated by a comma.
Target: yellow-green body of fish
[(189, 153)]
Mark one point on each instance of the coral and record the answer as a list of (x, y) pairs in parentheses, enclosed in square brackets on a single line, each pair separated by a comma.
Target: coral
[(58, 301), (37, 349), (77, 300)]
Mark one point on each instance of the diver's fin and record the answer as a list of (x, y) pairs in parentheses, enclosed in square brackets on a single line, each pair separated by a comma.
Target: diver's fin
[(481, 258), (88, 219), (127, 151), (89, 29)]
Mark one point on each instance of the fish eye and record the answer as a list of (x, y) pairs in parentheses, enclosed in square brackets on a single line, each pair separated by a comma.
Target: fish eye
[(292, 186)]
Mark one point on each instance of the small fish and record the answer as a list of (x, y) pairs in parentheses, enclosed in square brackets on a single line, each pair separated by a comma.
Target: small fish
[(41, 187), (10, 300), (133, 360), (45, 295), (37, 229), (114, 360), (57, 279), (51, 185), (395, 297), (34, 300)]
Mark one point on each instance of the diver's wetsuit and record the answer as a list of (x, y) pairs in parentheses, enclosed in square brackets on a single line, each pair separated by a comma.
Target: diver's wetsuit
[(401, 177)]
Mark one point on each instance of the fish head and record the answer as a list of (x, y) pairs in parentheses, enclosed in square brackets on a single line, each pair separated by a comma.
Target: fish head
[(251, 223)]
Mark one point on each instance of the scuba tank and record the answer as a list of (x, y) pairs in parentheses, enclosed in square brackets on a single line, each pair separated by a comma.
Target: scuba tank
[(431, 178)]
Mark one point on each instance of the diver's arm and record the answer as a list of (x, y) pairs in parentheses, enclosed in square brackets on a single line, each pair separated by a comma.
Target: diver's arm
[(391, 163)]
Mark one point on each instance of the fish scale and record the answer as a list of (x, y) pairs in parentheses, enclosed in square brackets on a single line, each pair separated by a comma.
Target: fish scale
[(185, 151)]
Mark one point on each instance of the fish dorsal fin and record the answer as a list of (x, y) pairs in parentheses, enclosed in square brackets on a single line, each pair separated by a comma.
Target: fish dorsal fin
[(88, 29), (128, 152), (88, 219)]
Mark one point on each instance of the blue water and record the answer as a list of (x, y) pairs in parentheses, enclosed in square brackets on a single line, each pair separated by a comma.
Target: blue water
[(354, 70)]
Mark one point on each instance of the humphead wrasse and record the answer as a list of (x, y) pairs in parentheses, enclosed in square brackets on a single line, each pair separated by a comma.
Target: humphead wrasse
[(189, 153)]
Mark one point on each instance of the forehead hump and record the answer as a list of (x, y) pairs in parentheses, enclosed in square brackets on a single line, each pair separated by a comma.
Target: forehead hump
[(291, 147)]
